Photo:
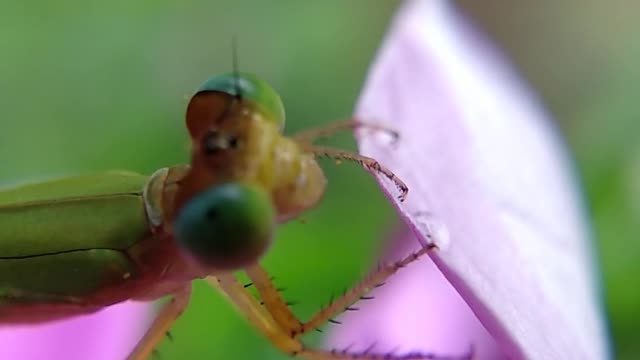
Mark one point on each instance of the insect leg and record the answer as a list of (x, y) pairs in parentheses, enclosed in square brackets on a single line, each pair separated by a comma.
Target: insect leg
[(247, 304), (271, 298), (366, 162), (309, 136), (368, 354), (287, 342), (280, 313), (161, 324), (359, 291)]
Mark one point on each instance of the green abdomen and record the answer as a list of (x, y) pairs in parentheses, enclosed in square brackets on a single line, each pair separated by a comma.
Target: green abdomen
[(68, 238)]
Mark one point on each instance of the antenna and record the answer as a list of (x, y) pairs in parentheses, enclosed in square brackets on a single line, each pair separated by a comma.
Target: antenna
[(236, 72)]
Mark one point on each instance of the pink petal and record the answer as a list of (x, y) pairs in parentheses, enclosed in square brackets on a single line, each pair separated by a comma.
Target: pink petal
[(107, 335), (481, 157)]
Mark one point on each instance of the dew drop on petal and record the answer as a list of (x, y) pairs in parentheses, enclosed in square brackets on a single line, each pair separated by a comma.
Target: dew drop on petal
[(384, 136), (433, 229)]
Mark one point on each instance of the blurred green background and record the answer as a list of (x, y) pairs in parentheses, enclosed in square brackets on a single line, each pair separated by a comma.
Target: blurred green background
[(96, 85)]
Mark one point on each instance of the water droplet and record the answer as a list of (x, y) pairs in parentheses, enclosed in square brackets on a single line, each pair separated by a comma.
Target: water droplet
[(433, 230), (387, 138), (379, 132)]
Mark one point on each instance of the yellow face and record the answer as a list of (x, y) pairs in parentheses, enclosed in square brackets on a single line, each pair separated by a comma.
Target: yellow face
[(236, 136), (232, 137)]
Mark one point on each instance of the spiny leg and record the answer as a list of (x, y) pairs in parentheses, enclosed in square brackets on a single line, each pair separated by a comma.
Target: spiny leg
[(272, 299), (264, 321), (257, 315), (359, 291), (309, 136), (288, 321), (366, 162), (368, 355), (161, 324)]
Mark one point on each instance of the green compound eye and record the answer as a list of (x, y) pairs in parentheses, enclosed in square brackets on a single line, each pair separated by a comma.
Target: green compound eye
[(252, 88), (227, 226)]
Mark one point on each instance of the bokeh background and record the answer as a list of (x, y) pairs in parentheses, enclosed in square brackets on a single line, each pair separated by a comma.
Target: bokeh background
[(97, 85)]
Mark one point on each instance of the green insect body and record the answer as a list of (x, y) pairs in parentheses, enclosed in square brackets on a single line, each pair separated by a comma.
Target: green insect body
[(69, 246), (76, 245)]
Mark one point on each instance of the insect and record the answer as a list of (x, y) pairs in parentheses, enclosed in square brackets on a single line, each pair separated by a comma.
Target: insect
[(124, 236)]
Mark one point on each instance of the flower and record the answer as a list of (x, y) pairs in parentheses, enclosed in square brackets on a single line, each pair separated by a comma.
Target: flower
[(492, 186), (106, 335)]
